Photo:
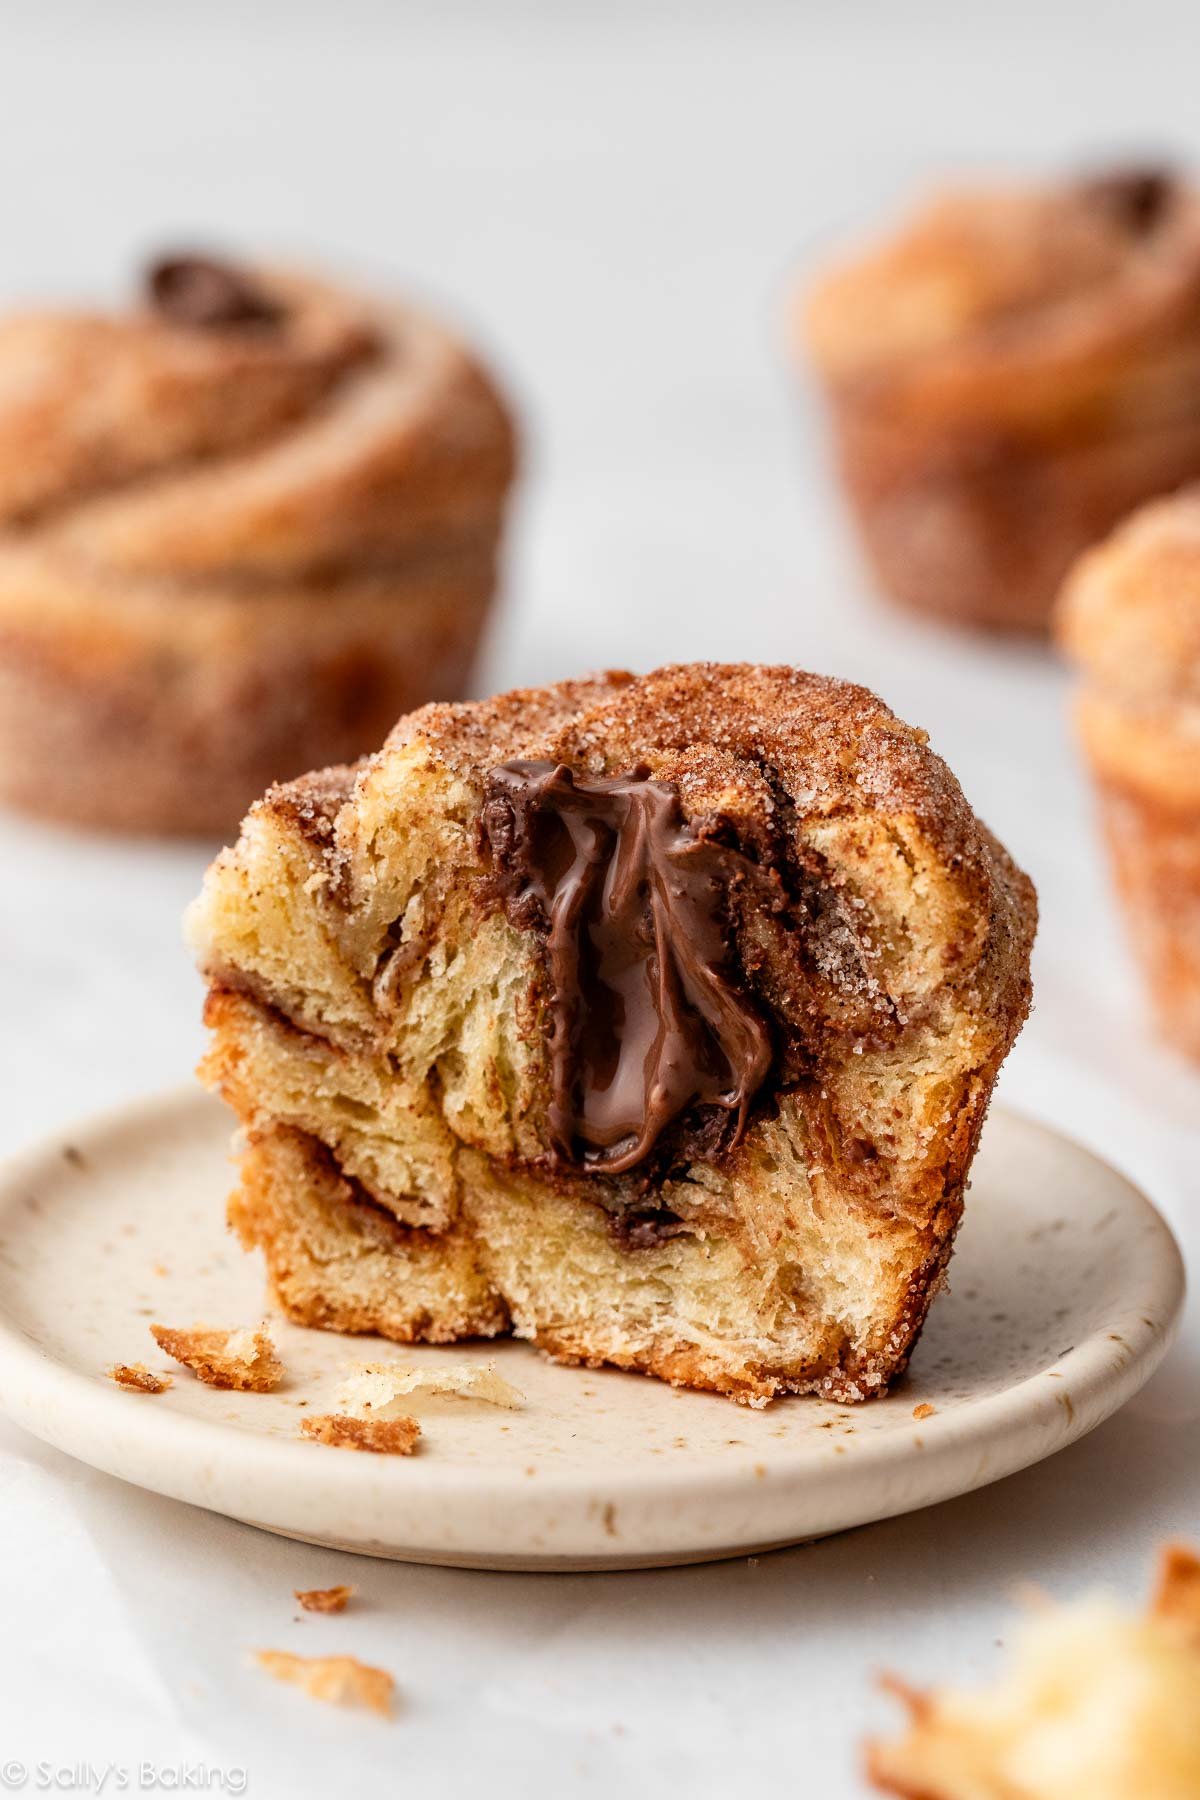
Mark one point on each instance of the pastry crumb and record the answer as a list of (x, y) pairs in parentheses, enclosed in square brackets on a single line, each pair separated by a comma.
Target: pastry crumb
[(386, 1437), (924, 1410), (340, 1680), (139, 1377), (377, 1389), (240, 1358), (323, 1600)]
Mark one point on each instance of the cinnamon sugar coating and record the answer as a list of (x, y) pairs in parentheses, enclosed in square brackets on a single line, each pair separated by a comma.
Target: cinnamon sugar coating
[(1008, 376), (381, 1026), (233, 548)]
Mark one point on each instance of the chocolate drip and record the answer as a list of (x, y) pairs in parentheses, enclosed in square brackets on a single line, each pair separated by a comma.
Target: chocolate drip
[(201, 292), (648, 1019)]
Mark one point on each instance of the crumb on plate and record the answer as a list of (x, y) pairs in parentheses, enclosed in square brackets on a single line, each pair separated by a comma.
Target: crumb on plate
[(386, 1437), (139, 1377), (240, 1358), (378, 1389)]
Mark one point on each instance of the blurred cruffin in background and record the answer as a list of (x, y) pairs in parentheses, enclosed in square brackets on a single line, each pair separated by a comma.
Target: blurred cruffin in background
[(1094, 1705), (1010, 373), (243, 527), (1130, 619)]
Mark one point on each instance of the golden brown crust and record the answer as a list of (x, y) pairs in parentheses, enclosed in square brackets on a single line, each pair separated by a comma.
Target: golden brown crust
[(340, 1680), (228, 554), (383, 1437), (239, 1358), (1008, 377), (380, 1026)]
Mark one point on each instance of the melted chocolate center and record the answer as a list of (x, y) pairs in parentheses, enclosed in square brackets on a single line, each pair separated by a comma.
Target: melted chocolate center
[(648, 1020), (201, 292)]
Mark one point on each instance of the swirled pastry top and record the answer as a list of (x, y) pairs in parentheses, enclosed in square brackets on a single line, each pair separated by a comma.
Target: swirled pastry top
[(246, 421), (989, 292), (1130, 612)]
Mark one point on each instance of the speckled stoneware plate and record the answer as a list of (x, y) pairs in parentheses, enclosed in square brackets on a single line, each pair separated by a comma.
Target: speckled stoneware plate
[(1066, 1287)]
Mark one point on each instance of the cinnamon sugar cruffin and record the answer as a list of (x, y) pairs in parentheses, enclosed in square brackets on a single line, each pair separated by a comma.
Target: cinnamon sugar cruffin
[(324, 1600), (309, 513), (340, 1680), (1129, 619), (138, 1376), (1008, 341), (385, 1437), (239, 1358), (1093, 1705), (400, 1188)]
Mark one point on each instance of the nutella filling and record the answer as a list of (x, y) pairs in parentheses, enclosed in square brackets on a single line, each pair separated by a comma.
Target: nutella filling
[(208, 295), (648, 1019)]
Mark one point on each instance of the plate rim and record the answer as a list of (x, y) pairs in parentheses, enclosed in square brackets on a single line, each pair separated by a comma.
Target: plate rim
[(95, 1422)]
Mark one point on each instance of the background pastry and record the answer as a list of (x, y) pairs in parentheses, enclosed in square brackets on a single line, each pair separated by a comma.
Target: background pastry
[(1130, 619), (241, 527), (1008, 376), (1093, 1706), (656, 1017)]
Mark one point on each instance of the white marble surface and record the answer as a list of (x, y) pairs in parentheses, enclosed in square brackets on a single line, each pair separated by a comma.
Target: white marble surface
[(615, 195)]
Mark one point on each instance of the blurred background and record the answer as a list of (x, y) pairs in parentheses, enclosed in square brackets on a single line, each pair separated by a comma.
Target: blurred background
[(616, 199)]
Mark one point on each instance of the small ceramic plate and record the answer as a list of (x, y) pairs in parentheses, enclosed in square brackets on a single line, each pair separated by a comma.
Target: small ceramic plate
[(1066, 1287)]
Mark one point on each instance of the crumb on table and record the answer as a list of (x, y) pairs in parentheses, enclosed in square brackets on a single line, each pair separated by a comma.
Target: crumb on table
[(340, 1680), (323, 1600)]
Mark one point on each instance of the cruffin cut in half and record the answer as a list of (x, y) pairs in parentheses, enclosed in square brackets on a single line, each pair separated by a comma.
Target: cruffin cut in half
[(653, 1019)]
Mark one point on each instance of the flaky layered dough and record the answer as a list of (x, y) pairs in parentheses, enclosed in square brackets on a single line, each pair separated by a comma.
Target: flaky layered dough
[(234, 543), (1130, 619), (383, 1021), (1008, 376)]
